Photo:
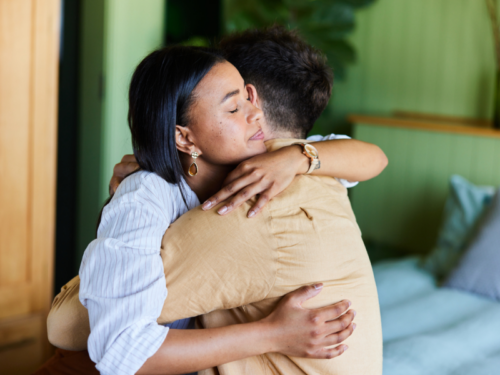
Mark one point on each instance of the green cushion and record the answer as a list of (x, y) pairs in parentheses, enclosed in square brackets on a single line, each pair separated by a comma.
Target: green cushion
[(465, 204)]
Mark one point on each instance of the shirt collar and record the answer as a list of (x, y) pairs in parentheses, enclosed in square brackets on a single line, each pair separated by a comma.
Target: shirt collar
[(277, 143)]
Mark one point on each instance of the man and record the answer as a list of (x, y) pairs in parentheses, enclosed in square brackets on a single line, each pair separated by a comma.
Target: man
[(307, 234)]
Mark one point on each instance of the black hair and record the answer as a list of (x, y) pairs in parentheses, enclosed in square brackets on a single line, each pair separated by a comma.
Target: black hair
[(160, 95), (292, 78)]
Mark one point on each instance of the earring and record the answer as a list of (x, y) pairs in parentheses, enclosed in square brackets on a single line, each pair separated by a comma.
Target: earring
[(193, 168)]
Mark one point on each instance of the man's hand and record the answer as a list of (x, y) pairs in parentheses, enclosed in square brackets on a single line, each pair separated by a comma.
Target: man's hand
[(122, 170), (266, 174)]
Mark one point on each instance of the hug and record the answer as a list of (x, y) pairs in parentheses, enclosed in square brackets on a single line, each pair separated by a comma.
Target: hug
[(228, 218)]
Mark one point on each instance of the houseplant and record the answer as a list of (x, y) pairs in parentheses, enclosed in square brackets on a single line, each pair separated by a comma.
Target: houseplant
[(323, 23)]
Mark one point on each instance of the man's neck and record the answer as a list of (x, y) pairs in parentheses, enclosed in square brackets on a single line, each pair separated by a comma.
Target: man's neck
[(280, 135)]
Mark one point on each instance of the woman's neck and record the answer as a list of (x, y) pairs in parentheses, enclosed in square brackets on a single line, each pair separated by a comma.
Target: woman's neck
[(209, 179)]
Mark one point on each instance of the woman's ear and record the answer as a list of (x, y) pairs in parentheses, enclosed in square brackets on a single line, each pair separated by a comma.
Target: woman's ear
[(183, 140), (252, 94)]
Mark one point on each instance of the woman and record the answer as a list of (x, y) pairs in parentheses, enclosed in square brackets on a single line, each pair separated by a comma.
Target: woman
[(187, 105)]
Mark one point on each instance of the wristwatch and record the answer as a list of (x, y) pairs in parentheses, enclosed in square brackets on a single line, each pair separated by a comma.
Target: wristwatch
[(311, 152)]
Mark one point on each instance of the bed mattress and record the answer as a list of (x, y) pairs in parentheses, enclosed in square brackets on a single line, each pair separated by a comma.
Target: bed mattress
[(430, 330)]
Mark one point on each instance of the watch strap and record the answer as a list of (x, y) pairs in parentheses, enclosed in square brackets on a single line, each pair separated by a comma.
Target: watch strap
[(315, 163), (312, 167)]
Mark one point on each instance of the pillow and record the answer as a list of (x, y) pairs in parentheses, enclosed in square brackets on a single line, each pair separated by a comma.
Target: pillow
[(465, 203), (479, 269)]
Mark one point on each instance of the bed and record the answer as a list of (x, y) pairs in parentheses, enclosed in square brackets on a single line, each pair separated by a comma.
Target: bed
[(427, 329), (430, 330)]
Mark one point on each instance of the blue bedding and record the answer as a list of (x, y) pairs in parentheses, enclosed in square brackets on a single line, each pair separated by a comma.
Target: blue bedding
[(429, 330)]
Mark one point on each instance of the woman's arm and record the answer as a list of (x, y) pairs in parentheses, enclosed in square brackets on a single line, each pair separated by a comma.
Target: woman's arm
[(123, 283), (270, 173), (347, 159), (289, 329)]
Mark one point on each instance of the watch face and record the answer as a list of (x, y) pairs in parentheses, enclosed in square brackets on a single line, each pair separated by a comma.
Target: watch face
[(311, 150)]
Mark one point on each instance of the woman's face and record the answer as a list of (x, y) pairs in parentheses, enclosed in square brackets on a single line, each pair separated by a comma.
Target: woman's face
[(223, 123)]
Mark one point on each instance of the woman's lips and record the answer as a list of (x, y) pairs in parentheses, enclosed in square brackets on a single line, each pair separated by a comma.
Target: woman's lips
[(258, 136)]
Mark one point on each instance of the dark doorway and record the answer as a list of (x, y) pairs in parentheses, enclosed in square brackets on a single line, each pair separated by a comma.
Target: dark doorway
[(67, 145)]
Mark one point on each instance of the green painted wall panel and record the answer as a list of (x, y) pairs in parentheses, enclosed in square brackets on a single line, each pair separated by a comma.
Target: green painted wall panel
[(116, 36), (431, 56), (402, 207), (134, 28)]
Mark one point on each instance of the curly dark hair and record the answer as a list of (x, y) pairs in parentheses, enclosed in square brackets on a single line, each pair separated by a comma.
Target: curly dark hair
[(292, 78)]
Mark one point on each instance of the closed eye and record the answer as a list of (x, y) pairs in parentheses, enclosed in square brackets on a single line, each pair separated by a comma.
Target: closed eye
[(236, 110)]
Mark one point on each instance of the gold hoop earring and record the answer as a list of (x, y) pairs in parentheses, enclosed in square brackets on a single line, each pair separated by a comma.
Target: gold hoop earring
[(193, 168)]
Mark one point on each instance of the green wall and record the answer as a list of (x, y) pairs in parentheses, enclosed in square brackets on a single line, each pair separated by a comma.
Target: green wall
[(115, 36), (432, 56), (402, 207)]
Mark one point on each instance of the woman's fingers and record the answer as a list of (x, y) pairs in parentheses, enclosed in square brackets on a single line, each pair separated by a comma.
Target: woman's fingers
[(241, 197), (338, 337), (228, 191), (129, 158), (313, 332), (242, 189), (301, 295), (335, 311), (326, 353), (264, 199), (122, 170), (340, 324)]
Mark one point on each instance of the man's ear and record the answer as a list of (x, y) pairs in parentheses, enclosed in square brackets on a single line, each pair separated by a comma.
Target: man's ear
[(252, 94), (183, 140)]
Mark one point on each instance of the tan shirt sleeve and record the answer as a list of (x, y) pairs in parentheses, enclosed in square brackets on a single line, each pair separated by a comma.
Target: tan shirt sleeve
[(217, 262)]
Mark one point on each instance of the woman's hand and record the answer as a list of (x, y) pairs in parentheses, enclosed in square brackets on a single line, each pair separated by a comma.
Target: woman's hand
[(267, 175), (122, 170), (300, 332)]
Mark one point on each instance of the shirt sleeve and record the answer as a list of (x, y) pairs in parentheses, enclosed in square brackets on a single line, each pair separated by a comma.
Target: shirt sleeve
[(329, 137), (122, 279)]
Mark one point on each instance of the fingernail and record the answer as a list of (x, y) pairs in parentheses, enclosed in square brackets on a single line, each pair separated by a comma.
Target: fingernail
[(222, 210), (345, 347), (207, 205), (349, 302), (318, 286), (251, 214), (353, 326), (354, 312)]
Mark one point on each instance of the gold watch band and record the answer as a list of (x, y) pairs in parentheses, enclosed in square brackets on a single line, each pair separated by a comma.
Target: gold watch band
[(311, 154), (312, 167)]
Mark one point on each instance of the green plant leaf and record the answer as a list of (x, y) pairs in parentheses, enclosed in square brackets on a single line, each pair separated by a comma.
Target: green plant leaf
[(324, 24)]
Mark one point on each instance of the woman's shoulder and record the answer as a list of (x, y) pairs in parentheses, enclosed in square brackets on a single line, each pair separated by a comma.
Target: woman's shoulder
[(147, 186), (148, 182)]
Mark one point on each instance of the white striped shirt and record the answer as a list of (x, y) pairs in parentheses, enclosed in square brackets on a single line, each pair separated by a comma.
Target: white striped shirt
[(122, 277)]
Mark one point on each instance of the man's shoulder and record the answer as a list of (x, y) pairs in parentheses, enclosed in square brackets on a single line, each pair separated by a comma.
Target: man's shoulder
[(205, 221), (308, 188)]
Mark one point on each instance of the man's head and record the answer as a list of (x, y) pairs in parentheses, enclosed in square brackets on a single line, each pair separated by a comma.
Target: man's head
[(293, 80)]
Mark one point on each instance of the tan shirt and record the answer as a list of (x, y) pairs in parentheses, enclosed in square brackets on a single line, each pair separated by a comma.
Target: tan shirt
[(235, 269)]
